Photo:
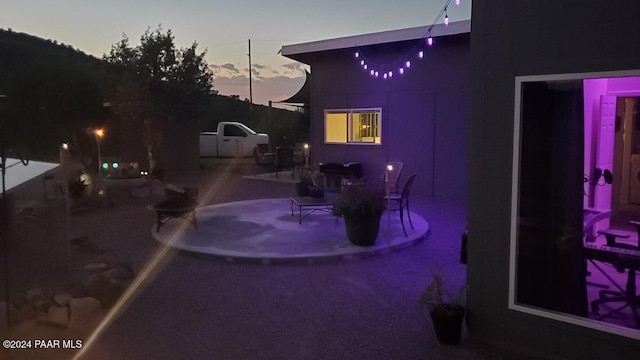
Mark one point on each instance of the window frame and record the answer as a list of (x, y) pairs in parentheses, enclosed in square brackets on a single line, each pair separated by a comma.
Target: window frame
[(512, 304), (349, 125)]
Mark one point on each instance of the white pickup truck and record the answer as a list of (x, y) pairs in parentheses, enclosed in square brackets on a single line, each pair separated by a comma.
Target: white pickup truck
[(232, 139)]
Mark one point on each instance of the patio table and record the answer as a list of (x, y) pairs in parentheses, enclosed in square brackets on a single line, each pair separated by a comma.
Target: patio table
[(311, 204)]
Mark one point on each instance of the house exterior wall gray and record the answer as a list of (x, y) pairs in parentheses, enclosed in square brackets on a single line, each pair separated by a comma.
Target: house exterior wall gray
[(424, 112)]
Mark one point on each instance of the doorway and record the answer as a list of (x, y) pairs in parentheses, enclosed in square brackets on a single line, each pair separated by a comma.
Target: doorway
[(625, 200)]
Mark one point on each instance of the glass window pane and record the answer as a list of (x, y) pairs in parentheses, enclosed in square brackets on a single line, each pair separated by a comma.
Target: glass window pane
[(335, 128)]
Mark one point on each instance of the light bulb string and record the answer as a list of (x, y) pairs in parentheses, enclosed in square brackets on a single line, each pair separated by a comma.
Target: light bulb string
[(393, 64), (402, 64)]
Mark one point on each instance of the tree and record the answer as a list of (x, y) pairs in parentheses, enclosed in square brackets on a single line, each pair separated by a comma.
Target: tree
[(157, 83), (50, 102)]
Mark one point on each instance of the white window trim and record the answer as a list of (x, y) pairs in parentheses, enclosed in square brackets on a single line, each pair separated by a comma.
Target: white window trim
[(512, 305), (350, 143)]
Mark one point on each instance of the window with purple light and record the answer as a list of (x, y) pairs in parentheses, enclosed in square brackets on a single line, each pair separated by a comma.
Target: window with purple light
[(576, 200)]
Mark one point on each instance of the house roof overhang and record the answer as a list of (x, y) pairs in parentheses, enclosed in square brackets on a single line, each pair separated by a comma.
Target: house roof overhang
[(299, 51), (303, 96)]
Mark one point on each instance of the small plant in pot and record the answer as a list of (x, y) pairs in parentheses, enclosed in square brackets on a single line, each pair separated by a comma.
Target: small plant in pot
[(446, 310), (319, 180), (302, 186), (361, 206)]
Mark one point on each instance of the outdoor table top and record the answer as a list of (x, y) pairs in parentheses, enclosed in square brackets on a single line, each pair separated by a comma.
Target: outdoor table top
[(328, 199)]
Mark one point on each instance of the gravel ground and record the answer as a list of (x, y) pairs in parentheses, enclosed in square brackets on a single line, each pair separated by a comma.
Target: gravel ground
[(194, 307)]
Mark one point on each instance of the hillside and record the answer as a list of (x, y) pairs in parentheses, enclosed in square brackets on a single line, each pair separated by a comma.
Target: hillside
[(51, 74)]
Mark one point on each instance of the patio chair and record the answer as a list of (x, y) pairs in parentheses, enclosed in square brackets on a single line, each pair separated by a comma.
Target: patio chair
[(388, 178), (398, 202)]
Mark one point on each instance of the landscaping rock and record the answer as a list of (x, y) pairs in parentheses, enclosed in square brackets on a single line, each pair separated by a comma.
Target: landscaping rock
[(109, 258), (35, 296), (82, 309), (58, 315), (41, 316), (96, 266), (62, 298), (118, 273), (38, 300), (77, 290), (104, 289), (25, 312)]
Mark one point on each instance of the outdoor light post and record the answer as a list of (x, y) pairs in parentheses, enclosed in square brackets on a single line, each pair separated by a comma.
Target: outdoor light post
[(387, 187), (99, 134), (306, 155)]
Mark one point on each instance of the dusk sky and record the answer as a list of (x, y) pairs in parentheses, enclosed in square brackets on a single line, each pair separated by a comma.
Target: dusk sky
[(223, 29)]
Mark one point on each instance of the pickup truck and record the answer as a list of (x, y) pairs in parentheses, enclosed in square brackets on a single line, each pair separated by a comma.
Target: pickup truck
[(232, 139)]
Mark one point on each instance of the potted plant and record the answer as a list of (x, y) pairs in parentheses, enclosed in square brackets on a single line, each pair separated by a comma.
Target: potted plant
[(318, 182), (302, 186), (446, 310), (361, 206)]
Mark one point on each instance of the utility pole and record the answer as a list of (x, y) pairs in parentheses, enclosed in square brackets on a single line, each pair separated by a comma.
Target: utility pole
[(250, 85)]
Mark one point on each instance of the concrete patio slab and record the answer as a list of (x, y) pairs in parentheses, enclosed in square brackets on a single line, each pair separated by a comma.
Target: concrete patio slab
[(265, 231)]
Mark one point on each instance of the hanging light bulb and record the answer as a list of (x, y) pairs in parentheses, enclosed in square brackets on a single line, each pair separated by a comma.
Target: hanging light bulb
[(446, 17), (372, 72), (376, 74), (361, 62), (390, 74), (357, 54), (408, 64), (430, 40), (385, 75), (457, 2), (421, 54), (401, 70), (365, 66)]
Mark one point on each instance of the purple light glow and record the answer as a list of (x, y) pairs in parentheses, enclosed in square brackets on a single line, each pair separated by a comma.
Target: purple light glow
[(361, 62), (357, 54), (376, 74), (365, 66), (457, 2), (385, 75), (401, 71), (390, 74), (408, 64), (372, 72), (430, 40), (421, 54)]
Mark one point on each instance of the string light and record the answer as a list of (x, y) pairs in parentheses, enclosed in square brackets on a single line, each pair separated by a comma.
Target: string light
[(401, 67)]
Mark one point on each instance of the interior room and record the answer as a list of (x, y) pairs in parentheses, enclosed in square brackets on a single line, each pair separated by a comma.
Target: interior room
[(561, 225)]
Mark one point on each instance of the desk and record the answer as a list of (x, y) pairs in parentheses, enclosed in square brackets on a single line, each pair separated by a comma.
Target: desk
[(174, 208), (311, 204)]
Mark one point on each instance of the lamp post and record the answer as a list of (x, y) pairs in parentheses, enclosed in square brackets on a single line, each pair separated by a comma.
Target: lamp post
[(99, 134), (306, 155), (387, 187)]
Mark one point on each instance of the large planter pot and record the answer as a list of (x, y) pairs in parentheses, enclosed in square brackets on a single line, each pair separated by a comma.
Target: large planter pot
[(316, 192), (447, 322), (362, 230), (302, 189)]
